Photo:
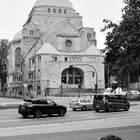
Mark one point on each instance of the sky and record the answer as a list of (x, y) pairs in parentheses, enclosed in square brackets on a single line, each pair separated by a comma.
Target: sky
[(14, 13)]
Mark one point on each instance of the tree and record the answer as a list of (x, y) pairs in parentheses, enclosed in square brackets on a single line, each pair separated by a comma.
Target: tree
[(123, 39), (3, 60)]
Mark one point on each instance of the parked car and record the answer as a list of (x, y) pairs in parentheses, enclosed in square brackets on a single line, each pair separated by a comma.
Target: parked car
[(39, 107), (110, 102), (132, 94), (81, 103), (135, 92)]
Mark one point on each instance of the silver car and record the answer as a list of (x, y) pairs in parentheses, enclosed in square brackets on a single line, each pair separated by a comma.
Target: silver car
[(81, 103)]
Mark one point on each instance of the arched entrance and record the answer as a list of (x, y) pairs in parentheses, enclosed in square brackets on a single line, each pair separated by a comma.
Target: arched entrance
[(72, 76)]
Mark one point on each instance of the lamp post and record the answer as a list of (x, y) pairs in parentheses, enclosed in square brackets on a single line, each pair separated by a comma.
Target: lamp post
[(96, 86)]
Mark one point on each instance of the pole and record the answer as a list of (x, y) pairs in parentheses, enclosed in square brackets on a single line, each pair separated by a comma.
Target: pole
[(108, 76)]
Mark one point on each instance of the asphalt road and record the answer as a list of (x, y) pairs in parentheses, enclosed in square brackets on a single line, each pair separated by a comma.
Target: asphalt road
[(76, 125), (126, 133)]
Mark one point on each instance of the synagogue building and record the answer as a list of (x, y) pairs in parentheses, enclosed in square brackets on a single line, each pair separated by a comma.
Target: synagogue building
[(53, 50)]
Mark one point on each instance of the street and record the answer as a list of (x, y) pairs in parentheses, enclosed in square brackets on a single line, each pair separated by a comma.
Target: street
[(75, 125)]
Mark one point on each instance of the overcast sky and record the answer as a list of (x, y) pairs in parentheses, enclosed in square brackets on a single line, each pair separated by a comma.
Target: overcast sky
[(14, 13)]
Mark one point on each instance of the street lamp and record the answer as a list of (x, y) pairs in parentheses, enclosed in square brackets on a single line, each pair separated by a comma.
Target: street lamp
[(96, 86)]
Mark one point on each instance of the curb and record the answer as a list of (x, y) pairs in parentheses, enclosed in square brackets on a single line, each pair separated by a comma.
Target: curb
[(9, 106)]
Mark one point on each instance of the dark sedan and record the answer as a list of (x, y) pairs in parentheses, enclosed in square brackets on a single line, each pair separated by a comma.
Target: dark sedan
[(39, 107)]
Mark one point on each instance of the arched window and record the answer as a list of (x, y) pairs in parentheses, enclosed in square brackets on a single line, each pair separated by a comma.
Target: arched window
[(59, 11), (49, 10), (18, 58), (65, 11), (72, 76), (54, 10)]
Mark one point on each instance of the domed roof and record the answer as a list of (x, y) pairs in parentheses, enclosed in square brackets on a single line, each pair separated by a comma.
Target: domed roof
[(18, 35), (59, 3)]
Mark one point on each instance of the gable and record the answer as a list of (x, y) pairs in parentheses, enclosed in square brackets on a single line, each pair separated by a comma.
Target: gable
[(68, 29)]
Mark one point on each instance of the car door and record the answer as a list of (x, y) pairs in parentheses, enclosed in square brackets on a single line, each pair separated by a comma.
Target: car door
[(113, 101), (39, 105), (88, 103), (122, 102), (119, 102), (51, 107)]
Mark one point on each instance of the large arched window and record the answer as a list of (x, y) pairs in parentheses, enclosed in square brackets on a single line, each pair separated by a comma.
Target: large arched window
[(18, 58), (72, 76)]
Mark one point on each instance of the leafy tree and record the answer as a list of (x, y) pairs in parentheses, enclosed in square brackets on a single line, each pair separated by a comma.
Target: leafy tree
[(3, 61), (123, 39)]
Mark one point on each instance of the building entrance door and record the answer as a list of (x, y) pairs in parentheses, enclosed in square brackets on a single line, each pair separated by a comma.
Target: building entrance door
[(72, 76)]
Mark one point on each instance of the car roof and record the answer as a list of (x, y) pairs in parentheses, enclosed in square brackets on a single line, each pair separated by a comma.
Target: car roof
[(110, 94), (35, 99)]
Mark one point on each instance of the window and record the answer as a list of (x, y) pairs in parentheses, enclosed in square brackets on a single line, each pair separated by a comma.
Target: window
[(33, 61), (54, 58), (31, 76), (65, 11), (88, 35), (18, 58), (39, 58), (31, 32), (72, 76), (49, 10), (66, 59), (54, 11), (59, 11), (17, 78), (93, 74), (68, 44), (50, 102)]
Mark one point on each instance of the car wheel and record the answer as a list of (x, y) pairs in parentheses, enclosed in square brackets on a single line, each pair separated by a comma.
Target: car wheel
[(74, 109), (37, 114), (126, 108), (84, 108), (97, 110), (49, 115), (109, 109), (24, 115), (62, 112)]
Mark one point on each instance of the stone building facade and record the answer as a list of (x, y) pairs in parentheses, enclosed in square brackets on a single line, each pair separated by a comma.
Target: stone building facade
[(54, 50)]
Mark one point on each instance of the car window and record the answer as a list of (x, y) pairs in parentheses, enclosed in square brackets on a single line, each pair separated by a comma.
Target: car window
[(87, 100), (37, 102), (82, 100), (75, 100), (50, 102), (122, 97), (98, 97)]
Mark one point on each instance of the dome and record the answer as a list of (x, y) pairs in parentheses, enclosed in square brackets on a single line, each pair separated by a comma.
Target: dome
[(59, 3), (18, 35)]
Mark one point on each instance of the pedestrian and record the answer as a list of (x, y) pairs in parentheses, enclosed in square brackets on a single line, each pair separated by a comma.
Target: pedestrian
[(110, 137)]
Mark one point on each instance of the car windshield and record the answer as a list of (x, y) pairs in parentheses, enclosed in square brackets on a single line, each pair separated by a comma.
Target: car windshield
[(98, 97), (75, 100)]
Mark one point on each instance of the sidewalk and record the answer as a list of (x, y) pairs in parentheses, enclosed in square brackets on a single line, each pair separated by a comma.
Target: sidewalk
[(11, 103)]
